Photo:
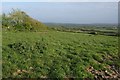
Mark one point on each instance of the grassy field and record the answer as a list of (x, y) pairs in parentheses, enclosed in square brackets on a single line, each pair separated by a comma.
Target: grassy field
[(57, 54)]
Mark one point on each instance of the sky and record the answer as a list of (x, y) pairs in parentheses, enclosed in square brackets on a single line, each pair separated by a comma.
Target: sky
[(60, 0), (68, 12)]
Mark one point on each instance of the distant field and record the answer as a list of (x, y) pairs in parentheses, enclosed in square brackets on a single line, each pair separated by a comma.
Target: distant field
[(101, 29), (58, 54)]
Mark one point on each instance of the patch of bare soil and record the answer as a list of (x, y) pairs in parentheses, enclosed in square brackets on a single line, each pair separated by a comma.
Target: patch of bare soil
[(111, 73)]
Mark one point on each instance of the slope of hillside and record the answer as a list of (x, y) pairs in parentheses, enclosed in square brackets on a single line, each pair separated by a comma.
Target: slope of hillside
[(20, 21), (59, 55)]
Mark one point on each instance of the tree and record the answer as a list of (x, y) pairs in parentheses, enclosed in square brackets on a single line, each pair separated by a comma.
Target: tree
[(19, 20)]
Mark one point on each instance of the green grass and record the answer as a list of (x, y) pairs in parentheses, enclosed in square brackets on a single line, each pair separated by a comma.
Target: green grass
[(56, 54)]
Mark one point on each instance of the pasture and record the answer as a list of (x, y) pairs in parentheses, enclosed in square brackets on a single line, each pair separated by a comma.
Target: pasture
[(55, 54)]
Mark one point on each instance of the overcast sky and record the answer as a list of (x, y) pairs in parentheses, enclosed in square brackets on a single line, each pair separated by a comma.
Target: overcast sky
[(66, 12), (60, 0)]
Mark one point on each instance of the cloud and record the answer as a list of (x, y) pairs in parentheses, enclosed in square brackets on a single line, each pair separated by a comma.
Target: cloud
[(60, 0)]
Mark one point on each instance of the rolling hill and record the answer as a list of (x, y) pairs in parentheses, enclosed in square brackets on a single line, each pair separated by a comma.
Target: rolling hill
[(19, 21)]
